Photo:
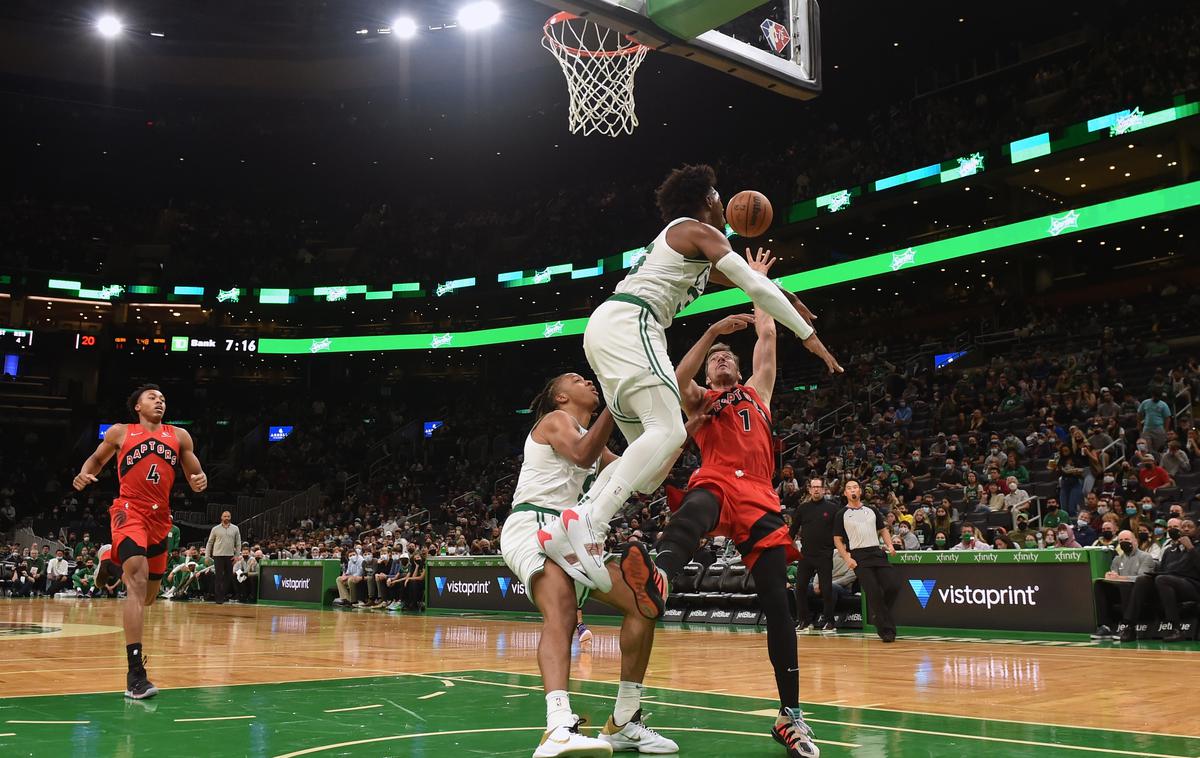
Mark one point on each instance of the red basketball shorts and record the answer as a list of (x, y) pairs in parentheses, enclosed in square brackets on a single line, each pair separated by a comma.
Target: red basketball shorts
[(750, 514), (140, 529)]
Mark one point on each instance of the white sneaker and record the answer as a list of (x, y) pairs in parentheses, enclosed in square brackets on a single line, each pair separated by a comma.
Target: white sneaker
[(170, 593), (796, 736), (637, 736), (569, 741), (574, 543)]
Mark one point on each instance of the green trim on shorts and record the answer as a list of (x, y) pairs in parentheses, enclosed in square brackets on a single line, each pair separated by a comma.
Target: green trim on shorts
[(625, 297), (655, 366), (619, 417), (531, 508)]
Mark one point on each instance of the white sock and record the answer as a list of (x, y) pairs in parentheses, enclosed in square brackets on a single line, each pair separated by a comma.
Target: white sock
[(558, 710), (629, 699), (606, 500)]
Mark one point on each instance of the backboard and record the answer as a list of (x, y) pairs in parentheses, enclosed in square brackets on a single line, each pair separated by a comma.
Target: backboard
[(775, 45)]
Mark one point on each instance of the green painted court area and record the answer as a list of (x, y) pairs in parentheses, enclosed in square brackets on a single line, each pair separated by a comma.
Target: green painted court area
[(486, 713)]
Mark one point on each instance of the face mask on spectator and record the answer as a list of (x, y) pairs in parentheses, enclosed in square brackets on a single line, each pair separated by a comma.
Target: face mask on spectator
[(940, 541), (967, 538), (1130, 510), (1102, 510), (1030, 543), (1064, 536), (1142, 446), (1176, 513), (1143, 536), (1159, 531), (904, 530), (1083, 522), (1108, 533), (1109, 479), (1174, 533), (1126, 547), (1147, 507)]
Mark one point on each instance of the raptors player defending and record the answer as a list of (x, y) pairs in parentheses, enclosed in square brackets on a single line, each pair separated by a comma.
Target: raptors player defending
[(147, 454), (626, 345), (731, 494)]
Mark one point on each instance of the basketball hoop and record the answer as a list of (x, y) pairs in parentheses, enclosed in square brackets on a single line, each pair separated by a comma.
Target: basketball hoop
[(599, 64)]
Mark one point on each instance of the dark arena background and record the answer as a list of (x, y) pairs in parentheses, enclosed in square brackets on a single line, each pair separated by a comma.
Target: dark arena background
[(349, 242)]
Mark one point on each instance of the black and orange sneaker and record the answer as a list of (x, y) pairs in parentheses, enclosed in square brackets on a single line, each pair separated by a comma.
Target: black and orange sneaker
[(648, 582), (137, 685), (795, 735)]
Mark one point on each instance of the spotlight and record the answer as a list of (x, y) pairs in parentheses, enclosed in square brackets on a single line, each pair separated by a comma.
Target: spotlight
[(404, 28), (109, 25), (478, 15)]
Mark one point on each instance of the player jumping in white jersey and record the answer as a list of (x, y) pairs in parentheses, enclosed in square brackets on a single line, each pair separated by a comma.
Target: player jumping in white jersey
[(626, 345), (561, 456)]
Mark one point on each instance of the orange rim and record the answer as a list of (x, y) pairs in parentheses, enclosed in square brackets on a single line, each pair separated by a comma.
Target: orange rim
[(562, 17)]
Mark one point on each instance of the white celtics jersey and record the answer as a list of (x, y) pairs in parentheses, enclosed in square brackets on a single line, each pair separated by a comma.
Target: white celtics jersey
[(666, 280), (548, 480)]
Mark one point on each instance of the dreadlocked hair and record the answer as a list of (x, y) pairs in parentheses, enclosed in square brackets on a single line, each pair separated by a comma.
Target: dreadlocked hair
[(544, 402), (137, 395), (684, 191)]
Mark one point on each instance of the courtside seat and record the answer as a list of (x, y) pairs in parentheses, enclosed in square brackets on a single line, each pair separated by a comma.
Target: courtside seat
[(684, 591), (746, 596), (710, 585), (732, 582)]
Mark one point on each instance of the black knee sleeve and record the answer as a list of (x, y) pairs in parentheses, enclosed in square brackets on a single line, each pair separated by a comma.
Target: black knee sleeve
[(770, 581), (696, 517)]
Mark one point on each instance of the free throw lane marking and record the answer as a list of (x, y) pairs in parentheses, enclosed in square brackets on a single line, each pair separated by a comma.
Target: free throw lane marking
[(17, 721), (355, 708), (432, 695), (217, 718)]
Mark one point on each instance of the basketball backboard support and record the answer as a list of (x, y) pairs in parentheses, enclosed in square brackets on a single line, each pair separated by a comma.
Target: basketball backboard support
[(794, 71)]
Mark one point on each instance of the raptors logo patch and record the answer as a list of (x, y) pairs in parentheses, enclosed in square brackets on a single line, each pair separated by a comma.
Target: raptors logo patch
[(119, 519)]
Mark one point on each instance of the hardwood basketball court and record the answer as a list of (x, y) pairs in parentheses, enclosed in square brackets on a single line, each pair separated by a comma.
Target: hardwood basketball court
[(262, 681)]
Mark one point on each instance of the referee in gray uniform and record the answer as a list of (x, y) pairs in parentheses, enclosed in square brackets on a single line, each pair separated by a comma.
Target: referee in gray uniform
[(857, 532)]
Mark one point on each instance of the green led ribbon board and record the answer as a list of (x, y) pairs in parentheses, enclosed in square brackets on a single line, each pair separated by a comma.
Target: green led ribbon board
[(1017, 233)]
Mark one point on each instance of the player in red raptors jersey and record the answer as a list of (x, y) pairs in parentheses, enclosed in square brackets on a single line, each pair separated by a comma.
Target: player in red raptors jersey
[(147, 454), (731, 494)]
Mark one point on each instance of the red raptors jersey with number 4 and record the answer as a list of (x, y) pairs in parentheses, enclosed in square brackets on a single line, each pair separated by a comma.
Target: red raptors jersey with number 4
[(146, 466), (739, 436)]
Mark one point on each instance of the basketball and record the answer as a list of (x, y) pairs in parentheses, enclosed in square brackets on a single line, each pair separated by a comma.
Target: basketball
[(749, 213)]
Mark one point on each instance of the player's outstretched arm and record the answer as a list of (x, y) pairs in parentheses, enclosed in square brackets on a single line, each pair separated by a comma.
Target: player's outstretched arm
[(560, 433), (763, 377), (765, 294), (197, 479), (108, 447), (693, 360)]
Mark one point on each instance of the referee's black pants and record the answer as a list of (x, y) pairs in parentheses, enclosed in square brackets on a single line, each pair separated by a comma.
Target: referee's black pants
[(223, 565), (820, 564), (879, 582)]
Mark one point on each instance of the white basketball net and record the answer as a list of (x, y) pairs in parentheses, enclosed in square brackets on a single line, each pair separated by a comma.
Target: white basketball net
[(599, 64)]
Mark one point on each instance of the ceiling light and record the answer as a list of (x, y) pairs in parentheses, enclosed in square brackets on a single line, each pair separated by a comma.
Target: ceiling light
[(478, 15), (404, 27), (1126, 173), (109, 26), (1110, 168)]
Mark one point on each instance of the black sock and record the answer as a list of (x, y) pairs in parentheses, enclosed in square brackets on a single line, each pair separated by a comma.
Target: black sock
[(134, 654), (696, 517), (770, 581)]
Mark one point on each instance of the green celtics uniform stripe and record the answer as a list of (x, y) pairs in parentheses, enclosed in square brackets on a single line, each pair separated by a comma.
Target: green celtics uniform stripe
[(655, 366), (535, 509)]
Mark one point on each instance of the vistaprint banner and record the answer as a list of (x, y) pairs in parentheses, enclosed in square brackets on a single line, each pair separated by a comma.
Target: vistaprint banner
[(291, 583), (485, 588), (1050, 597)]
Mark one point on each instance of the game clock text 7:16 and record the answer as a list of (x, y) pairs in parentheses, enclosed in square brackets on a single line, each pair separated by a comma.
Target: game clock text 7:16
[(241, 346)]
